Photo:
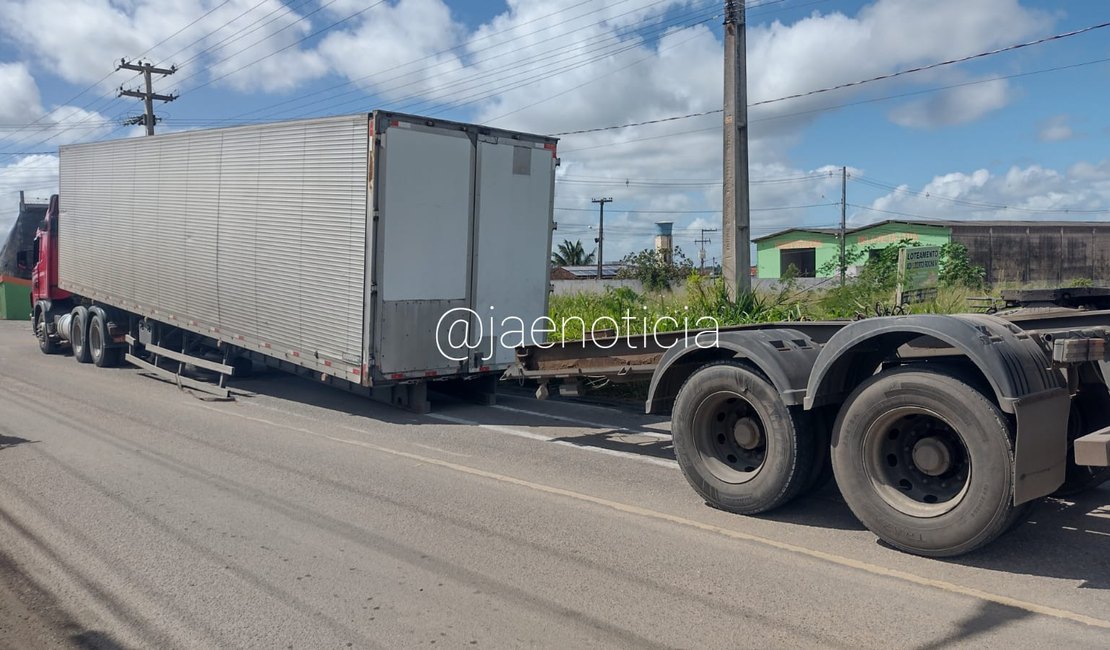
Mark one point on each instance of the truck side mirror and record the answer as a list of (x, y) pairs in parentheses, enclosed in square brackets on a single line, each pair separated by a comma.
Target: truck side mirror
[(23, 260)]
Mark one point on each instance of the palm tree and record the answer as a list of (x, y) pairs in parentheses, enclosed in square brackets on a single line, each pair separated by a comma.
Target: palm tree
[(571, 254)]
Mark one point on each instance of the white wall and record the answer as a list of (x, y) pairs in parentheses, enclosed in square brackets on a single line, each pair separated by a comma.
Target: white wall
[(571, 287)]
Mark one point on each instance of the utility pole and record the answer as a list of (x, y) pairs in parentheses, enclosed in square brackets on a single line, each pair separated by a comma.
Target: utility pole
[(600, 239), (148, 97), (703, 241), (843, 223), (736, 217)]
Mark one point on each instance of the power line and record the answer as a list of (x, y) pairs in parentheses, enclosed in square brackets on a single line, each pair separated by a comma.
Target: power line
[(861, 82), (938, 64), (557, 61), (240, 35), (331, 99), (197, 20), (766, 209), (444, 51)]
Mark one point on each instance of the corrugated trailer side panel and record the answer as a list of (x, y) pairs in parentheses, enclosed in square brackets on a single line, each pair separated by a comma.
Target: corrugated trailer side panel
[(254, 235)]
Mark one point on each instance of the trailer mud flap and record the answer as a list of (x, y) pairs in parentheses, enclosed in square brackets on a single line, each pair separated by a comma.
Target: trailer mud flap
[(1041, 450)]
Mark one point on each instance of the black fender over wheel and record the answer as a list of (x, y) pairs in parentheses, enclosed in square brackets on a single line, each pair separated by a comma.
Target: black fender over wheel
[(79, 334), (738, 445), (925, 461), (103, 354)]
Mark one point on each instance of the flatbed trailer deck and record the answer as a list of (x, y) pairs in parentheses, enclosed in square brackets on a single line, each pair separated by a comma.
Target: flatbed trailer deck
[(941, 430)]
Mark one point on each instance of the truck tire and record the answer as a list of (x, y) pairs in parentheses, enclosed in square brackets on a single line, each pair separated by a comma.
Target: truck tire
[(738, 445), (47, 345), (925, 461), (103, 356), (79, 334)]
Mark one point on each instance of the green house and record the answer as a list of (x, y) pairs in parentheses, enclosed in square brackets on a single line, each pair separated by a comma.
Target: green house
[(814, 251)]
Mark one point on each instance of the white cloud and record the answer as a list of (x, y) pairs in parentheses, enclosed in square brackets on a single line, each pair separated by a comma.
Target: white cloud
[(954, 106), (36, 176), (393, 51), (82, 41), (19, 96), (1033, 192), (559, 65), (1056, 129), (25, 124)]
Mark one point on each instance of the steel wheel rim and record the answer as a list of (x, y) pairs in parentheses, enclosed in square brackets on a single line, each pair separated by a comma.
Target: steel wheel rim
[(95, 341), (729, 437), (916, 462)]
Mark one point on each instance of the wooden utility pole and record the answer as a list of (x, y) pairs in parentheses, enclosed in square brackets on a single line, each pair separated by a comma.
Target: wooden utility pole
[(148, 96), (600, 239), (736, 233), (843, 223)]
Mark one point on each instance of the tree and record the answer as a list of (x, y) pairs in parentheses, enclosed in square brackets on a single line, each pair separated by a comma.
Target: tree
[(571, 254), (653, 270)]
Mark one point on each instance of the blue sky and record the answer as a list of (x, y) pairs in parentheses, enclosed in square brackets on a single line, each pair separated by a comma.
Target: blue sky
[(1032, 146)]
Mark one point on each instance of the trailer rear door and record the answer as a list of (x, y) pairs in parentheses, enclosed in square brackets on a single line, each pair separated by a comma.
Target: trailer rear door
[(513, 223), (425, 179)]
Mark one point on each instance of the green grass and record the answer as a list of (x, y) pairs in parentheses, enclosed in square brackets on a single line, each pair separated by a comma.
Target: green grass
[(702, 302)]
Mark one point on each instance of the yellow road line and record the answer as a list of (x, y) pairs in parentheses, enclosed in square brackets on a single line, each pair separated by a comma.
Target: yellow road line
[(832, 558)]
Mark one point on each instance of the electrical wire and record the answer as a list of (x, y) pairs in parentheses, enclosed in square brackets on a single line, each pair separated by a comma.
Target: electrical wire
[(851, 84)]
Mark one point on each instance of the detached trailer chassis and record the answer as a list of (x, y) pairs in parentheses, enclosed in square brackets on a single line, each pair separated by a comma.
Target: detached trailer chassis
[(940, 430)]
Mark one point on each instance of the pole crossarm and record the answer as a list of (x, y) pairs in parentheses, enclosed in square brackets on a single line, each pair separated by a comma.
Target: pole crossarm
[(148, 95)]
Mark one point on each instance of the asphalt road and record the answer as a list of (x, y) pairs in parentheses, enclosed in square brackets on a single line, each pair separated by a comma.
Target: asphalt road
[(133, 514)]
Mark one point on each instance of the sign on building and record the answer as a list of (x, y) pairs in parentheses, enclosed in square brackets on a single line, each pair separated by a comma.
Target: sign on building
[(918, 274)]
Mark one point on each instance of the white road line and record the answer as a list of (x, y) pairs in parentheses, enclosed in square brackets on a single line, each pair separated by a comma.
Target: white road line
[(661, 462), (1097, 532), (794, 549), (585, 423)]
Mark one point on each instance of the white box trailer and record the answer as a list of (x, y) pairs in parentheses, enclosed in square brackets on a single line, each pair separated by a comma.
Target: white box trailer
[(332, 244)]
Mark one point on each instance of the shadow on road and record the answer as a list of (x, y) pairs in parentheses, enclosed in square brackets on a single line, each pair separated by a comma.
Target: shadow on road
[(1068, 539), (11, 441), (32, 617), (986, 618)]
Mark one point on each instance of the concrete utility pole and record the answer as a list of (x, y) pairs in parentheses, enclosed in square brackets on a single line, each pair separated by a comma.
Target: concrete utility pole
[(843, 223), (148, 118), (600, 231), (702, 241), (736, 232)]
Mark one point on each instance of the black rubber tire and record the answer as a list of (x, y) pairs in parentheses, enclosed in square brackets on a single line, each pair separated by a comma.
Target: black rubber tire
[(103, 355), (79, 334), (985, 509), (47, 345), (788, 440)]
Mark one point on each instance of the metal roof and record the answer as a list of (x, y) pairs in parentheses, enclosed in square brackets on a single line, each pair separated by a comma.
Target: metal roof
[(587, 271), (944, 223)]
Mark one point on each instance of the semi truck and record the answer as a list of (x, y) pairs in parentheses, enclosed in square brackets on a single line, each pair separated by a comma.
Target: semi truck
[(940, 430), (327, 246), (336, 246)]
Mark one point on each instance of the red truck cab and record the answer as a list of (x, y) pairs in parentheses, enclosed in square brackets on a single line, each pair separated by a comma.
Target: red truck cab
[(47, 298), (44, 272)]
